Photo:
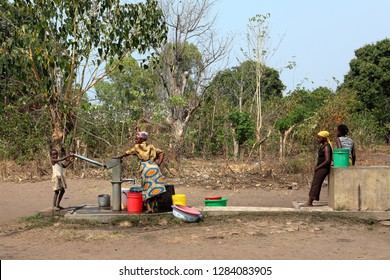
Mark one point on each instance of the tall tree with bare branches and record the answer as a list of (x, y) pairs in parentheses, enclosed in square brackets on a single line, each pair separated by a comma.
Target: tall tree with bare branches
[(187, 62), (259, 51)]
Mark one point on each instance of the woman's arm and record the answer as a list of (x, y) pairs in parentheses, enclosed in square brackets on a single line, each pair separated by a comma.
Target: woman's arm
[(122, 156), (131, 151), (160, 158), (353, 154), (338, 143)]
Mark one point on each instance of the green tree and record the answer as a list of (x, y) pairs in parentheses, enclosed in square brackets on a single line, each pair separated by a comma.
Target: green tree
[(297, 108), (369, 76), (237, 85), (124, 98), (64, 44), (243, 126), (131, 92), (23, 130)]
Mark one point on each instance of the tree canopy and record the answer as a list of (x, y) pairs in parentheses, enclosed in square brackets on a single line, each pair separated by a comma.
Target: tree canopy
[(369, 76), (59, 48), (239, 82)]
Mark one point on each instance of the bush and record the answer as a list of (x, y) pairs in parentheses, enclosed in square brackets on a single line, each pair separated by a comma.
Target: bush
[(297, 165)]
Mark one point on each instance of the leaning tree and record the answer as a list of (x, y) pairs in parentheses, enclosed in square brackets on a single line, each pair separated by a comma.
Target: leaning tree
[(66, 44)]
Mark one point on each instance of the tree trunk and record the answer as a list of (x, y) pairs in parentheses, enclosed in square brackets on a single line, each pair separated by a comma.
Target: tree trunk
[(176, 142), (283, 142), (236, 145), (62, 126)]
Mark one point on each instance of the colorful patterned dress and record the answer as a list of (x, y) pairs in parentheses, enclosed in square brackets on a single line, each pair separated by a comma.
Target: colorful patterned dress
[(152, 180)]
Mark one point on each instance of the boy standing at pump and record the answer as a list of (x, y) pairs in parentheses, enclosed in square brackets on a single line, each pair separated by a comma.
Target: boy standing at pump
[(58, 177)]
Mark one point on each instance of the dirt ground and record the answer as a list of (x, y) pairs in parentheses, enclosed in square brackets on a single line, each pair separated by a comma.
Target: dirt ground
[(286, 236)]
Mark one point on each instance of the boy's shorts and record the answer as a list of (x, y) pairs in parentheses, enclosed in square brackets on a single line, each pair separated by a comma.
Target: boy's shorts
[(58, 185)]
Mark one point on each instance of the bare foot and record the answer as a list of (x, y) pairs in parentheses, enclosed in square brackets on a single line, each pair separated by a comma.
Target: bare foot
[(307, 204)]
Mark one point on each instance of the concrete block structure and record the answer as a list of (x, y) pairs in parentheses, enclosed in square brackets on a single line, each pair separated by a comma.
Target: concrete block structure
[(361, 188)]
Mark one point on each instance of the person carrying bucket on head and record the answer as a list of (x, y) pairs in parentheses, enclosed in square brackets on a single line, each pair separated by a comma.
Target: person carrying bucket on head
[(322, 168), (152, 180), (343, 141)]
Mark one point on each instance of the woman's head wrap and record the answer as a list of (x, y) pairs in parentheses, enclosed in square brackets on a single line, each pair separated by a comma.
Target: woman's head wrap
[(142, 135), (325, 134)]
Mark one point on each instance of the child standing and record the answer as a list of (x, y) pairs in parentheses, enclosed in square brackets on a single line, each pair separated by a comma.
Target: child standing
[(58, 177)]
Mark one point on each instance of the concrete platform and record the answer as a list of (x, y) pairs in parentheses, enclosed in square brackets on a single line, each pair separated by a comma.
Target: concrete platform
[(318, 206), (93, 212), (96, 213)]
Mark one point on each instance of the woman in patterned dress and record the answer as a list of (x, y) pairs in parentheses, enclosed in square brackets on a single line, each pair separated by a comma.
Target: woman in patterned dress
[(152, 180)]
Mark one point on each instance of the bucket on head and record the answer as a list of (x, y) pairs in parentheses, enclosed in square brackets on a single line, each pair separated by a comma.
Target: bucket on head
[(134, 202), (341, 157), (104, 200), (179, 199)]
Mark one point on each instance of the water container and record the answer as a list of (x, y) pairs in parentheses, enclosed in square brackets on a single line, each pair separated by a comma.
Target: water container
[(341, 157), (104, 200), (124, 199), (134, 202), (179, 199), (135, 189), (165, 199)]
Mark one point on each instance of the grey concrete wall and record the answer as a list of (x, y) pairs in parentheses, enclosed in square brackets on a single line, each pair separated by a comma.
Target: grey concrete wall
[(363, 188)]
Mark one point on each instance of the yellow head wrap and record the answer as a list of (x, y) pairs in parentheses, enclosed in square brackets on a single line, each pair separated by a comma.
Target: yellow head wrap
[(325, 134)]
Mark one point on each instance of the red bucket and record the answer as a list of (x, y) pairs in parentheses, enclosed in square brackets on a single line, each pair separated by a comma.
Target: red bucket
[(134, 202)]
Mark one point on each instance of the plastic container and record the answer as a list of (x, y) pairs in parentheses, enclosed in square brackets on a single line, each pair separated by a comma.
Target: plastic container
[(124, 199), (341, 157), (104, 200), (179, 199), (216, 202), (212, 197), (134, 202), (165, 199), (186, 213), (135, 189)]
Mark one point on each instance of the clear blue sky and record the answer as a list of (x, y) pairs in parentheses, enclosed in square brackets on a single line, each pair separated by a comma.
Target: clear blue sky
[(321, 35)]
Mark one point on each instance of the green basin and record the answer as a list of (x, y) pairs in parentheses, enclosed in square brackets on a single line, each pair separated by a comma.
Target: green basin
[(215, 202)]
